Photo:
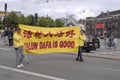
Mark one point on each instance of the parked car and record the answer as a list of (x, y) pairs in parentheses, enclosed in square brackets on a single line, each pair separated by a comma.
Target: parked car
[(88, 46), (96, 42)]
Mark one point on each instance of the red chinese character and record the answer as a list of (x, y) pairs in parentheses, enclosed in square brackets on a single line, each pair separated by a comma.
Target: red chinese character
[(70, 33), (27, 34), (60, 34), (48, 34), (38, 34)]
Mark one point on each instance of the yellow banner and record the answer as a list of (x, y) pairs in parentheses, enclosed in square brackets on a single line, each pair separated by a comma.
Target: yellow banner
[(39, 40)]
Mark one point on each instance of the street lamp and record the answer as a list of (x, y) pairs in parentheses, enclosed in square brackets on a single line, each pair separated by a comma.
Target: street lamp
[(5, 8), (111, 32), (95, 26)]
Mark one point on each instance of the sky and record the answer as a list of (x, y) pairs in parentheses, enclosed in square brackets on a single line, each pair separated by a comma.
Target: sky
[(61, 8)]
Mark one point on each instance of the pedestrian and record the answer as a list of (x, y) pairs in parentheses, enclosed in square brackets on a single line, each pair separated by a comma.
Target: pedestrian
[(19, 50), (105, 40), (82, 39), (111, 38), (115, 43), (6, 36), (10, 37)]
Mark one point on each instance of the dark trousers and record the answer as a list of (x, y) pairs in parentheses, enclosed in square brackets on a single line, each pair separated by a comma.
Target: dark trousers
[(79, 56), (10, 42)]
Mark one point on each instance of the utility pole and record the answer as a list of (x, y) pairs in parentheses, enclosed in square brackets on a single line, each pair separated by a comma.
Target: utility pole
[(5, 8), (66, 16), (36, 18), (95, 26)]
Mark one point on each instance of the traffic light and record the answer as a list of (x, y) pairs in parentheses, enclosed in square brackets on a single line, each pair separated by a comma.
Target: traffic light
[(5, 6), (32, 20), (36, 17)]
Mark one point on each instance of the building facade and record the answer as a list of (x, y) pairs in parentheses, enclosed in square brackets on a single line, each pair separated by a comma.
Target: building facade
[(70, 21), (82, 24), (106, 23)]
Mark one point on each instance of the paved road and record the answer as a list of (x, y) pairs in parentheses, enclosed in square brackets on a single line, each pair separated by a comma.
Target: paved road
[(57, 67)]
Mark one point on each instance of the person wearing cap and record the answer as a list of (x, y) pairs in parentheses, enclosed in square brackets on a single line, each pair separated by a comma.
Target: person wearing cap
[(18, 45), (82, 39)]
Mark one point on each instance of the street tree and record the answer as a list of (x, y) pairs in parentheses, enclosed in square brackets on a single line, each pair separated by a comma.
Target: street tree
[(29, 20), (42, 22), (51, 22), (59, 23), (22, 19), (12, 20), (0, 24), (46, 22)]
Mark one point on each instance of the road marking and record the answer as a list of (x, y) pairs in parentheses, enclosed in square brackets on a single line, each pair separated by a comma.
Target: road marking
[(4, 49), (110, 53), (31, 73), (109, 69)]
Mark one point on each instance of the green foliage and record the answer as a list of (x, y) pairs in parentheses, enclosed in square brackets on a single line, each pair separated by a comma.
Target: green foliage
[(46, 22), (22, 19), (42, 22), (51, 22), (0, 24), (59, 23), (29, 20), (12, 20)]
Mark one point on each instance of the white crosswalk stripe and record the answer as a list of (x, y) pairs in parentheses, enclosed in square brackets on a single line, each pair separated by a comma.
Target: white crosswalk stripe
[(4, 49), (31, 73)]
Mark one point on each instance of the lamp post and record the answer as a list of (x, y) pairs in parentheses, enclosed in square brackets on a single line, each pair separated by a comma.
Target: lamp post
[(110, 32), (5, 8), (95, 26), (66, 16)]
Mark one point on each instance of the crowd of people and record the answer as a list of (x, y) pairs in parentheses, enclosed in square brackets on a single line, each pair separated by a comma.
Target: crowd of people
[(110, 41), (7, 34)]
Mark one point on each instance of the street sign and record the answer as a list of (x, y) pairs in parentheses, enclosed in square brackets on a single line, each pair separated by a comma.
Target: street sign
[(100, 25), (2, 12)]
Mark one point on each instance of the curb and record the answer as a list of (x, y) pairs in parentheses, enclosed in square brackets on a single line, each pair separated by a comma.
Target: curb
[(112, 57)]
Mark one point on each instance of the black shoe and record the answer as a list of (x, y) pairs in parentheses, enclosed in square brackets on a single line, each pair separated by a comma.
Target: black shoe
[(77, 59), (81, 60)]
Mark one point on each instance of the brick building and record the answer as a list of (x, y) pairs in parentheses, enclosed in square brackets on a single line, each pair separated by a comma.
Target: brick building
[(108, 23)]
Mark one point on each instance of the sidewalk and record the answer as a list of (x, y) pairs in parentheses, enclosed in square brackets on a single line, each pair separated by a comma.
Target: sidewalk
[(97, 55), (104, 56), (1, 41), (102, 44)]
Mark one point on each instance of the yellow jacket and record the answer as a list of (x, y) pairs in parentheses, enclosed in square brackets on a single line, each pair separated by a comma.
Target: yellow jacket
[(17, 39), (82, 39)]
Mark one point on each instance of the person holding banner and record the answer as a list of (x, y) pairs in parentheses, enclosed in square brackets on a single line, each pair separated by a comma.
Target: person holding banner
[(82, 39), (18, 45)]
